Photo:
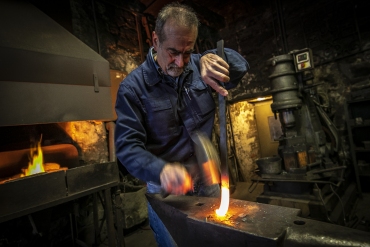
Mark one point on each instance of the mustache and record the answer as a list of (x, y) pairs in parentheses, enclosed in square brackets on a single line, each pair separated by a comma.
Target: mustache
[(173, 66)]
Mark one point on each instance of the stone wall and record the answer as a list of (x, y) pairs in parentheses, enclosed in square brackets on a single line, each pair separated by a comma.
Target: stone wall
[(90, 138), (245, 136)]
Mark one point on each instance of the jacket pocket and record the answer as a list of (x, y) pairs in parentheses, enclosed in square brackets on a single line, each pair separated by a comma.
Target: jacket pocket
[(201, 99), (160, 117)]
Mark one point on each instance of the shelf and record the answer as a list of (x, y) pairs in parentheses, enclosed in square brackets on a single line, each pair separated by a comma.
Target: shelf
[(358, 100), (353, 124), (361, 149), (358, 125), (365, 173)]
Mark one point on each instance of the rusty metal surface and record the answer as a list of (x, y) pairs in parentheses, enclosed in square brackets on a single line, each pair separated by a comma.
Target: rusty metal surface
[(192, 222), (92, 176)]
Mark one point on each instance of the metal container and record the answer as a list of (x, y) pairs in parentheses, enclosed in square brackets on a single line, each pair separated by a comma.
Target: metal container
[(269, 165)]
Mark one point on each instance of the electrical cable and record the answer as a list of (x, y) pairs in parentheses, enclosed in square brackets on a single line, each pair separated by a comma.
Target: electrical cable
[(323, 203), (232, 146), (341, 203)]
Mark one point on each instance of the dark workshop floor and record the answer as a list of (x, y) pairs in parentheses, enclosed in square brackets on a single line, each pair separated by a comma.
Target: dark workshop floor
[(142, 236)]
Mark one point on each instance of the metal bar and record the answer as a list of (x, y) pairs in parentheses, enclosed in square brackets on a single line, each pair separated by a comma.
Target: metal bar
[(72, 229), (357, 28), (117, 207), (280, 15), (96, 27), (232, 146), (223, 126), (274, 28), (292, 180), (328, 169), (139, 37), (352, 148), (96, 218), (109, 214)]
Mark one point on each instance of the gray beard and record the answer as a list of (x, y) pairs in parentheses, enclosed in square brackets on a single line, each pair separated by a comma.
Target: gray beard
[(174, 70)]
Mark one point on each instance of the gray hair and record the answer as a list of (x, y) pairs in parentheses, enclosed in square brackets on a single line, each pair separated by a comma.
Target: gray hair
[(182, 14)]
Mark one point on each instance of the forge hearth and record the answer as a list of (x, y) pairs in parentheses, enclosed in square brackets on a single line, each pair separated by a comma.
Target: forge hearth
[(23, 197), (32, 193)]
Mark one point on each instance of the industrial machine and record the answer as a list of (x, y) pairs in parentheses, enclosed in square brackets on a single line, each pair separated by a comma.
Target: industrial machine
[(311, 171)]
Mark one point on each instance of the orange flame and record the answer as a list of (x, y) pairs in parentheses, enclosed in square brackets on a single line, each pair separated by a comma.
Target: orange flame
[(211, 172), (225, 198), (36, 162)]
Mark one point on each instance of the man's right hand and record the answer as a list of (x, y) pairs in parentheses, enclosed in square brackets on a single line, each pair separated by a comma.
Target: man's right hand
[(175, 179)]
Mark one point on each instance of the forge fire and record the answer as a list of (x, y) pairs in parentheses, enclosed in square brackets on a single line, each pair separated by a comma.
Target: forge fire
[(35, 164)]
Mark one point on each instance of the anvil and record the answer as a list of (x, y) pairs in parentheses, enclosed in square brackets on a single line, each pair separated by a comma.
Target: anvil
[(192, 221)]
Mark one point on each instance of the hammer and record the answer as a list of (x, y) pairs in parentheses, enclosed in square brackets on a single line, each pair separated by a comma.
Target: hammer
[(207, 161)]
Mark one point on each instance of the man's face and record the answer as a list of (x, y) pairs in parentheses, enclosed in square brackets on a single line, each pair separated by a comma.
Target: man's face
[(173, 54)]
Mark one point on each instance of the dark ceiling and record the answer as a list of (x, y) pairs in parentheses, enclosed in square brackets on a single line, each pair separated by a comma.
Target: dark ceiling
[(229, 10)]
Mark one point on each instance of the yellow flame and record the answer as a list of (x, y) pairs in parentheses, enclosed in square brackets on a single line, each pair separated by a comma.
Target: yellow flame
[(36, 163), (225, 198)]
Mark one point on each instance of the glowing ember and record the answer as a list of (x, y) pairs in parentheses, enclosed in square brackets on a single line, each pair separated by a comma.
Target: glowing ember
[(225, 197), (36, 162)]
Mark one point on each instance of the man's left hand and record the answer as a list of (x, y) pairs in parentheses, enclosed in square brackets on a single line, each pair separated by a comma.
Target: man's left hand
[(213, 70)]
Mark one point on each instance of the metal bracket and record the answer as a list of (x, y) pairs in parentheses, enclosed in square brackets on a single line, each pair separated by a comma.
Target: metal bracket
[(96, 83)]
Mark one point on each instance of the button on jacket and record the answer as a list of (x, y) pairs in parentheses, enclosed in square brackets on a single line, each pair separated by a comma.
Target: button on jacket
[(156, 114)]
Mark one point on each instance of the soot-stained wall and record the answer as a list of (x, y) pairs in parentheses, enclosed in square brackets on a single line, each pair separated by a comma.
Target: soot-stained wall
[(338, 32)]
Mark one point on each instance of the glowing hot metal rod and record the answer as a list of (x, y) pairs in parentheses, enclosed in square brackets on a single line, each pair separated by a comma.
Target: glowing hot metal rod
[(225, 192)]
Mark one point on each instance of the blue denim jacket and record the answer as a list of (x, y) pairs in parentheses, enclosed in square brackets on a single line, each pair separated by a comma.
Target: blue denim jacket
[(156, 114)]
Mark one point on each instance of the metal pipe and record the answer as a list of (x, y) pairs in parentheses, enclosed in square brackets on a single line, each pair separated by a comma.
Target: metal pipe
[(357, 28), (139, 37), (237, 165), (110, 126), (281, 25), (328, 169), (96, 27), (108, 209), (292, 180), (273, 28), (117, 205), (96, 219)]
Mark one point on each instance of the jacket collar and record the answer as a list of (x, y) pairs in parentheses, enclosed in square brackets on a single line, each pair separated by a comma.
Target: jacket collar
[(153, 73)]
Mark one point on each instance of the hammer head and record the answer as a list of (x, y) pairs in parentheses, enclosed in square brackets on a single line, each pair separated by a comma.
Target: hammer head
[(207, 158)]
